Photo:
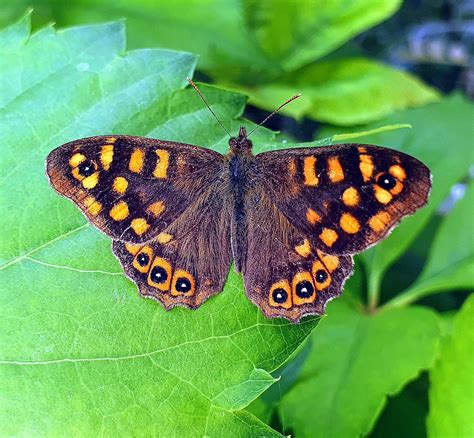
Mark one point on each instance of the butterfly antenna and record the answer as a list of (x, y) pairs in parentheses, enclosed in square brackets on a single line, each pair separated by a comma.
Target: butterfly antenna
[(291, 99), (205, 102)]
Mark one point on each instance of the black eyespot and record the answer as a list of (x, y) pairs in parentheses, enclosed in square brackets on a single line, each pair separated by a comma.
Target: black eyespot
[(183, 285), (86, 168), (158, 275), (386, 181), (143, 259), (279, 295), (321, 276), (304, 289)]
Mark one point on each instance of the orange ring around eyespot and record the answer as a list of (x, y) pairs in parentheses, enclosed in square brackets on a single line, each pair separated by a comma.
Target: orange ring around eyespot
[(180, 273), (285, 285), (317, 265), (149, 252), (302, 276), (162, 263)]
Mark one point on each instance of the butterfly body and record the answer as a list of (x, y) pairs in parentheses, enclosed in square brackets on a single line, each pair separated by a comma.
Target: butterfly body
[(290, 220)]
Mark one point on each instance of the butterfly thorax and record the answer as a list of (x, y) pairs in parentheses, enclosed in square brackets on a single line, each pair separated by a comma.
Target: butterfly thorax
[(240, 145)]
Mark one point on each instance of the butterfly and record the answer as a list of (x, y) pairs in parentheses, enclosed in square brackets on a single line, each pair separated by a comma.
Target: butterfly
[(290, 220)]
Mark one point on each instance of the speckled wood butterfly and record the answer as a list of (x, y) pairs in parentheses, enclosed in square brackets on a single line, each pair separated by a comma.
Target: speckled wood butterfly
[(289, 219)]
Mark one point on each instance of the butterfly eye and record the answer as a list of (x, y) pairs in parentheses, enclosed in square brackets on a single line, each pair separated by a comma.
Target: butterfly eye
[(86, 168), (386, 181), (321, 276), (158, 275), (279, 295), (304, 289)]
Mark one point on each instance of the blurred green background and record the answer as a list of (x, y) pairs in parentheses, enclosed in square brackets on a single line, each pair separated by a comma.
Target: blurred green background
[(394, 355)]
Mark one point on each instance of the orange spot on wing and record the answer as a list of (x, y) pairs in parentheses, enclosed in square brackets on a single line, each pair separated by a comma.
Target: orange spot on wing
[(120, 185), (156, 208), (349, 223), (382, 195), (317, 267), (91, 181), (312, 216), (162, 163), (379, 222), (76, 159), (132, 249), (107, 156), (93, 206), (351, 197), (330, 262), (335, 172), (328, 236), (309, 171), (304, 250), (398, 172), (366, 166), (136, 160), (164, 238), (139, 225), (119, 211)]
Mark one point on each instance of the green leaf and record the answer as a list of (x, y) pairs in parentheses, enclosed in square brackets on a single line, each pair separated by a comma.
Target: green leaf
[(450, 262), (343, 92), (357, 360), (82, 354), (296, 33), (441, 138), (452, 386)]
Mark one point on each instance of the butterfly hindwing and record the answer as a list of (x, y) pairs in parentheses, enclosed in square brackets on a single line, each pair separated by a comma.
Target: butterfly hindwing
[(188, 261), (132, 188), (284, 274), (347, 197)]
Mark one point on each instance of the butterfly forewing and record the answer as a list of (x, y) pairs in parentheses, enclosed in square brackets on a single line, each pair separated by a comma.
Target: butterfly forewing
[(132, 188), (347, 197)]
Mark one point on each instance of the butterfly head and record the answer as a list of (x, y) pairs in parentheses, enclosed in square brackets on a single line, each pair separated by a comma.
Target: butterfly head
[(240, 144)]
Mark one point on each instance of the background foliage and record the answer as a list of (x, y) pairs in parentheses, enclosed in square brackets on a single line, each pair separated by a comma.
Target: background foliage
[(83, 354)]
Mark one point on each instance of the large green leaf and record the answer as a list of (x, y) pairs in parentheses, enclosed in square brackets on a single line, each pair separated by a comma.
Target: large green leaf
[(356, 361), (452, 383), (343, 92), (450, 262), (81, 353)]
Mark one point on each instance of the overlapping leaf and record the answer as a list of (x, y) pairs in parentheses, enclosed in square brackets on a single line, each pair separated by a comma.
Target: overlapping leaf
[(263, 47), (81, 353)]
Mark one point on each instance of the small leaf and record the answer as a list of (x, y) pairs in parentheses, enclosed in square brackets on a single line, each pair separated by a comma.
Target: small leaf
[(452, 385), (357, 360), (343, 92), (82, 353), (296, 33)]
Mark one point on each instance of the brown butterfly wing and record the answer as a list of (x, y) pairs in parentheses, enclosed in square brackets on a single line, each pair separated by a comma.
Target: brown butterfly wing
[(283, 273), (132, 188), (345, 198), (189, 260)]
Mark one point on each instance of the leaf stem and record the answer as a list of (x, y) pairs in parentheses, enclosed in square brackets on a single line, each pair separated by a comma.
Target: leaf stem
[(373, 291)]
